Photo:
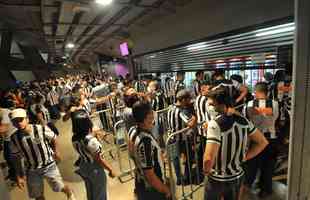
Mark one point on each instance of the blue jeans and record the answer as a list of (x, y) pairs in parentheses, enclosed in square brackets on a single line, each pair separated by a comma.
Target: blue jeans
[(95, 180), (184, 178)]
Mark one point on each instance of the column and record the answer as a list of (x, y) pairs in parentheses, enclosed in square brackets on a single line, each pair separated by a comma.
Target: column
[(299, 171), (6, 78)]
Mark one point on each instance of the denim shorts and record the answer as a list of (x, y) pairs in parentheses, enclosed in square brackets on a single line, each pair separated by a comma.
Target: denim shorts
[(35, 182)]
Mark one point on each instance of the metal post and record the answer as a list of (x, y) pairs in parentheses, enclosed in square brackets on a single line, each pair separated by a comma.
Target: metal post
[(299, 169)]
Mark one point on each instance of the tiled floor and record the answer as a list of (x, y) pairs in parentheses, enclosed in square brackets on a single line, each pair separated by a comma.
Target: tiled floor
[(117, 190)]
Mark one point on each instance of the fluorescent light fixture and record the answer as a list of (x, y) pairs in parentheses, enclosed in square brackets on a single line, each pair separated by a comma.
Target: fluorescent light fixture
[(235, 59), (276, 29), (70, 45), (152, 56), (197, 46), (64, 57), (104, 2)]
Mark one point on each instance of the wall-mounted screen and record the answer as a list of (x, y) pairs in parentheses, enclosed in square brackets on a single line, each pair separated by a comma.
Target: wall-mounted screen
[(124, 49)]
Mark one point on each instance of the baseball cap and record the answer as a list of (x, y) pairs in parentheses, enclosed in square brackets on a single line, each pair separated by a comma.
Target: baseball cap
[(18, 113)]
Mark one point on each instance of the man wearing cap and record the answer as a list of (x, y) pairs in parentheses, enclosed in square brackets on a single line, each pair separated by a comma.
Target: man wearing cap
[(37, 145)]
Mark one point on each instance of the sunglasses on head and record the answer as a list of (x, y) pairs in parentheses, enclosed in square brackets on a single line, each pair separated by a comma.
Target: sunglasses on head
[(18, 119)]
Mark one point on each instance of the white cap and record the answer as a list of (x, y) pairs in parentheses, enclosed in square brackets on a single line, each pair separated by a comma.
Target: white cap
[(19, 112)]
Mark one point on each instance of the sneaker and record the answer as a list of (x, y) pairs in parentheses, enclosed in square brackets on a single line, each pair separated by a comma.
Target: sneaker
[(71, 197)]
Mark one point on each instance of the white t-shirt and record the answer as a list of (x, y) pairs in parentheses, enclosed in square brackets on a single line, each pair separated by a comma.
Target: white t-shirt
[(6, 120)]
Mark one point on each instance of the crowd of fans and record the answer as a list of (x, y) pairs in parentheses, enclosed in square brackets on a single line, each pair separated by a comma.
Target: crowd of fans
[(238, 131)]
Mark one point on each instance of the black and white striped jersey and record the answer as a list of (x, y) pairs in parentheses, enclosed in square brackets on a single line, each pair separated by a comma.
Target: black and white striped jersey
[(88, 91), (145, 152), (284, 96), (87, 106), (158, 101), (87, 148), (53, 97), (39, 108), (139, 86), (33, 147), (179, 85), (196, 87), (201, 108), (169, 88), (265, 123), (231, 134), (178, 119)]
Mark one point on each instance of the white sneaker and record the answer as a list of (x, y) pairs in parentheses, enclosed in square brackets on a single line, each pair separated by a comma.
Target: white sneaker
[(71, 197)]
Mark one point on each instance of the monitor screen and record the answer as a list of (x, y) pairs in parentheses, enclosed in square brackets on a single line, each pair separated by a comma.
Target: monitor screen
[(124, 49)]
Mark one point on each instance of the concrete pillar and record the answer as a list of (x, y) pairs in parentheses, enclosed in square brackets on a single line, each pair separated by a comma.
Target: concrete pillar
[(299, 171), (6, 78)]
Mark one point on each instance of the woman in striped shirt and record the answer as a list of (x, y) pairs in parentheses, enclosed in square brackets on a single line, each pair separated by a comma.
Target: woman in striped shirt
[(91, 164)]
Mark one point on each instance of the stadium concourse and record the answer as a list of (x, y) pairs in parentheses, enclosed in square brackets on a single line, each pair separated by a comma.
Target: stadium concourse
[(154, 100)]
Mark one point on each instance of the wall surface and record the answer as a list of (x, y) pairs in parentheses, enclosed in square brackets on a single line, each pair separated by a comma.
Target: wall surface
[(203, 18), (25, 76)]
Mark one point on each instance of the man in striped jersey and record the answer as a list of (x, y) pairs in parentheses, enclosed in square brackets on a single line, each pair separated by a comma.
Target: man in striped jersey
[(139, 85), (31, 143), (158, 103), (227, 137), (203, 117), (263, 112), (197, 82), (146, 154), (42, 115), (169, 90), (180, 116), (53, 101), (179, 83)]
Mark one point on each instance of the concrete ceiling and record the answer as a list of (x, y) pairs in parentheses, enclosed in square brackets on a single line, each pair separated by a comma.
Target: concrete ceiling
[(50, 24)]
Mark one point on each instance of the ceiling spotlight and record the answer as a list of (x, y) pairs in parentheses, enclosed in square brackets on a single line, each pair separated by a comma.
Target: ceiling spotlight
[(70, 45), (104, 2)]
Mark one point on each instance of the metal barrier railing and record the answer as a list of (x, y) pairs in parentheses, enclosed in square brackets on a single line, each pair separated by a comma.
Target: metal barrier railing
[(184, 144), (121, 141)]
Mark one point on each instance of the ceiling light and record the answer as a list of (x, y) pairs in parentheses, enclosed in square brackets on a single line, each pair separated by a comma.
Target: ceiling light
[(197, 46), (275, 30), (104, 2), (64, 57), (70, 45)]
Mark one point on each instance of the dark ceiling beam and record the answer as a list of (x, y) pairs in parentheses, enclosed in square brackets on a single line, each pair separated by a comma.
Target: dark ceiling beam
[(76, 20), (20, 29), (95, 21), (112, 21), (78, 24), (101, 30), (73, 36), (32, 7), (158, 4)]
